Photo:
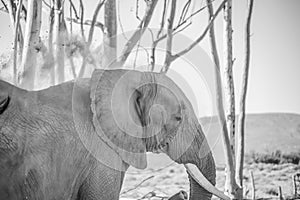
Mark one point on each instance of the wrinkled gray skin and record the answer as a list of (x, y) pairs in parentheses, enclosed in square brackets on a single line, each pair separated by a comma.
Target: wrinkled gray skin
[(42, 156)]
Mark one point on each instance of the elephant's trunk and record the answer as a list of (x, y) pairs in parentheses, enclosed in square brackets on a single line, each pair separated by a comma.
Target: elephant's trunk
[(207, 167), (201, 169)]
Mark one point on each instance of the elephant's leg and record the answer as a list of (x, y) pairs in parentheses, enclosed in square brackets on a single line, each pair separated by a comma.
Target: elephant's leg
[(102, 183)]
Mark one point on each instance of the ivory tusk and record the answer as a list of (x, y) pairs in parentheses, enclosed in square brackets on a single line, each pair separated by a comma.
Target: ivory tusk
[(201, 180)]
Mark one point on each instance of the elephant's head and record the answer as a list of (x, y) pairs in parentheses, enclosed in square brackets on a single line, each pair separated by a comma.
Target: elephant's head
[(138, 112)]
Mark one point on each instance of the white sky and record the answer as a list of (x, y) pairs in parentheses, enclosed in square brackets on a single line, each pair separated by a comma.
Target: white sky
[(274, 82)]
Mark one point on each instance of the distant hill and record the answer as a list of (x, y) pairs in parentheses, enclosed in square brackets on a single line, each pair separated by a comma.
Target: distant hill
[(265, 132)]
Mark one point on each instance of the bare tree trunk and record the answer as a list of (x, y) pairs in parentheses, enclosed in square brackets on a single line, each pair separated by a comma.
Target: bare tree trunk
[(155, 43), (90, 37), (29, 54), (109, 51), (15, 53), (12, 15), (51, 60), (59, 34), (241, 119), (230, 186), (11, 11), (94, 20), (228, 75)]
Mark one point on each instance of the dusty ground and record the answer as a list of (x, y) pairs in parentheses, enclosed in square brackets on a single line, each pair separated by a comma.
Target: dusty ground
[(166, 181)]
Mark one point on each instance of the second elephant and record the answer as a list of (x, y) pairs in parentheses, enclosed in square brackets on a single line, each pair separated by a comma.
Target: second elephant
[(77, 139)]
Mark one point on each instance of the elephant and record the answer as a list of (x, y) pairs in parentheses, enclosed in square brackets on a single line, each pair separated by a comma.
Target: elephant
[(76, 140)]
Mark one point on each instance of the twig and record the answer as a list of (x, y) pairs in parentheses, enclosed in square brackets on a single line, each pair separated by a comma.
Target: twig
[(3, 10), (192, 15), (137, 185), (152, 194), (183, 28), (280, 193), (253, 185), (184, 11), (137, 10)]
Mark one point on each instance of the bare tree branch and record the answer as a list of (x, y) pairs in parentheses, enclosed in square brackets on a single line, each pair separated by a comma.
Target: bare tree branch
[(99, 5), (74, 9), (200, 38), (81, 20), (169, 38), (47, 4), (184, 11), (162, 22), (183, 28), (189, 17), (175, 29), (242, 109), (87, 22), (6, 8), (138, 33)]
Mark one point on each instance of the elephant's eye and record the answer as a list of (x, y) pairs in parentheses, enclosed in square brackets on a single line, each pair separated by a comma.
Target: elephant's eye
[(178, 118)]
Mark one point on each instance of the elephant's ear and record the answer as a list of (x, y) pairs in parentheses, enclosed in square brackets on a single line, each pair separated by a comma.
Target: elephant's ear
[(120, 101)]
